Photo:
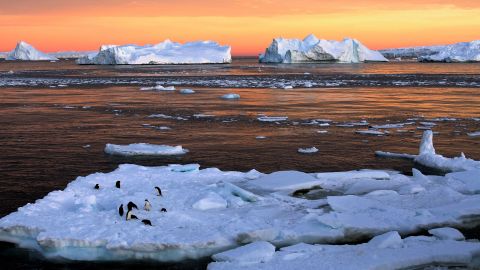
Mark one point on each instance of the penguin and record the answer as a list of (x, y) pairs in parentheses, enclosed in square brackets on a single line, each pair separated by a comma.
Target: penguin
[(147, 205), (120, 210), (159, 191), (117, 184), (97, 186), (131, 205), (146, 222), (163, 210), (130, 215)]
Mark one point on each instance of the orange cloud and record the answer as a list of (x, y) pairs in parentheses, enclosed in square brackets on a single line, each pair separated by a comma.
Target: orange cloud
[(248, 26)]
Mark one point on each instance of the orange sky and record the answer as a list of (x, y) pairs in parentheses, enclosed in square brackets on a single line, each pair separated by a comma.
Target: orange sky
[(247, 25)]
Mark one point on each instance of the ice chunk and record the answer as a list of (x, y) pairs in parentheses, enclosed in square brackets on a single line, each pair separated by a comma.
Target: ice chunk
[(387, 240), (211, 201), (272, 118), (158, 88), (137, 149), (285, 180), (474, 134), (370, 132), (312, 49), (395, 155), (231, 96), (447, 233), (256, 252), (167, 52), (309, 150), (25, 51), (186, 91)]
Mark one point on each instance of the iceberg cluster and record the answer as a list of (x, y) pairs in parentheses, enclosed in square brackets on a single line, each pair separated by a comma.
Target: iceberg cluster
[(312, 49), (243, 217), (458, 52), (26, 52), (167, 52)]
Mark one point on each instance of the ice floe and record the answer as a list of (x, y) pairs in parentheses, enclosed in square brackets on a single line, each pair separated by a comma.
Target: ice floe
[(370, 132), (231, 96), (309, 150), (158, 88), (26, 52), (186, 91), (312, 49), (272, 118), (144, 149), (474, 134), (167, 52)]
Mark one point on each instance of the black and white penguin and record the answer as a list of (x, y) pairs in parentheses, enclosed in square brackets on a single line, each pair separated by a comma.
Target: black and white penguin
[(117, 184), (147, 205), (97, 186), (146, 222), (130, 215), (163, 210), (131, 205), (159, 191), (120, 210)]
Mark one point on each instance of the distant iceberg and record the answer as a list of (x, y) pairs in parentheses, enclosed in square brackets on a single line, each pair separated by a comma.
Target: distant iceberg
[(458, 52), (312, 49), (26, 52), (167, 52)]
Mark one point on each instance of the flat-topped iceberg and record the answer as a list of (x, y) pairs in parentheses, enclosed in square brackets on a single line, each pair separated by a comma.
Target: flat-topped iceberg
[(312, 49), (144, 149), (26, 52), (458, 52), (167, 52)]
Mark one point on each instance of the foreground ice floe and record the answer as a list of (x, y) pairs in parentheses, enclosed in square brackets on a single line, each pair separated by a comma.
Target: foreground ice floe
[(26, 52), (167, 52), (144, 149), (312, 49), (210, 211), (387, 251)]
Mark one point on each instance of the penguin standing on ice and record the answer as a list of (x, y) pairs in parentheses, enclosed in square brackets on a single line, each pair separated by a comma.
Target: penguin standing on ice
[(97, 186), (146, 222), (117, 184), (120, 210), (159, 191), (147, 205), (131, 205), (163, 210), (130, 215)]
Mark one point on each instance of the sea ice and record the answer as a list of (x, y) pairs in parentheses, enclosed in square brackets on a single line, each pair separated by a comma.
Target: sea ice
[(167, 52), (144, 149), (255, 252), (26, 52), (312, 49)]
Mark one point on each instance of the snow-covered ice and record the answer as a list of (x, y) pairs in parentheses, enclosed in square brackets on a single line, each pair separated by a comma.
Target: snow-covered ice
[(144, 149), (231, 96), (255, 252), (387, 252), (166, 52), (26, 52), (312, 49)]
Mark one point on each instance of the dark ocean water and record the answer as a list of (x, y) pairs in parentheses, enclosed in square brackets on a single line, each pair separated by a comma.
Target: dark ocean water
[(51, 132)]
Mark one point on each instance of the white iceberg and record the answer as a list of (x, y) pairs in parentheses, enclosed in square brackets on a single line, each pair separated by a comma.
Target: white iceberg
[(144, 149), (416, 252), (312, 49), (458, 52), (26, 52), (167, 52)]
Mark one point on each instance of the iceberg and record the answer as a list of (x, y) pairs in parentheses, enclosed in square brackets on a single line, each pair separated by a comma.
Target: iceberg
[(26, 52), (144, 149), (312, 49), (166, 52), (458, 52)]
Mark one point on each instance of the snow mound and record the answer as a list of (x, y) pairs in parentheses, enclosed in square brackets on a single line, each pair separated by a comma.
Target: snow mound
[(144, 149), (256, 252), (167, 52), (26, 52), (312, 49), (417, 253), (447, 233)]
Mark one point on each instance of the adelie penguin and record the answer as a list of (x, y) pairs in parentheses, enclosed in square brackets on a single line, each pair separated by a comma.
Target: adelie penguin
[(130, 215), (159, 191), (147, 205), (131, 205), (117, 184), (97, 186), (146, 222), (120, 210), (163, 210)]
